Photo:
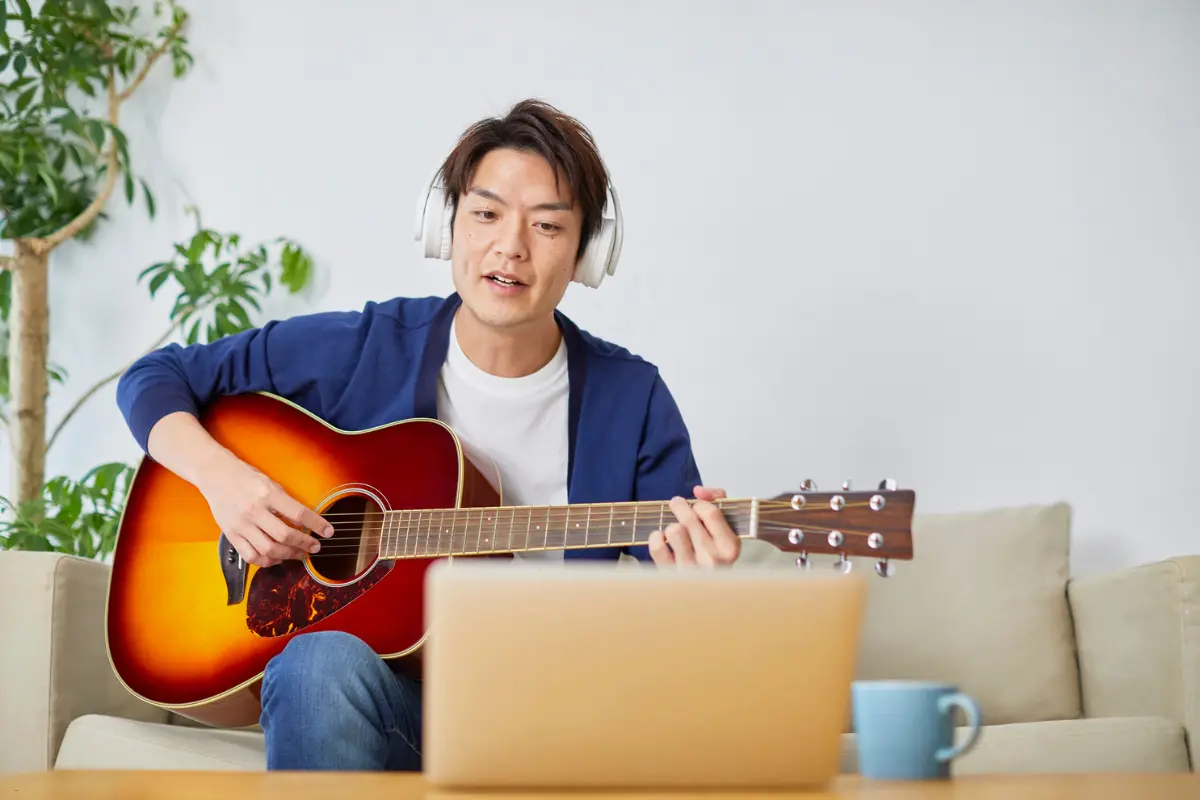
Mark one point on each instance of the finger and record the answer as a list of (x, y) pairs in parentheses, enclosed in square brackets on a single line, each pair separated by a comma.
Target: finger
[(659, 552), (708, 493), (701, 541), (265, 536), (681, 543), (725, 543), (279, 530), (299, 513), (248, 551)]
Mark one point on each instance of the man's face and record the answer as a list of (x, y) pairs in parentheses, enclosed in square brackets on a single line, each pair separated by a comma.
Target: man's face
[(514, 241)]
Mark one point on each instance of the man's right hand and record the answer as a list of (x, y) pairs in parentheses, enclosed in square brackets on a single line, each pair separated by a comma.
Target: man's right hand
[(260, 519)]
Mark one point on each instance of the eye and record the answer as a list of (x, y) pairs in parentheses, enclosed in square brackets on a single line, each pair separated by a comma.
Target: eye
[(485, 214), (549, 227)]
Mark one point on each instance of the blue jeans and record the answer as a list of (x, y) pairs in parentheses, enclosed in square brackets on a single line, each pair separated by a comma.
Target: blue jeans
[(329, 702)]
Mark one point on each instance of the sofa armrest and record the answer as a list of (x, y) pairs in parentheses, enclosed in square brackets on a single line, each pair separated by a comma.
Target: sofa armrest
[(54, 666), (1138, 637)]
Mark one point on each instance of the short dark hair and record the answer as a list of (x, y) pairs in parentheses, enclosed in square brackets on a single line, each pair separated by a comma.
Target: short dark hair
[(534, 126)]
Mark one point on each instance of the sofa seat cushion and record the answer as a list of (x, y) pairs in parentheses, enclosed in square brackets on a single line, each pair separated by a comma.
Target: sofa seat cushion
[(1103, 744), (101, 742)]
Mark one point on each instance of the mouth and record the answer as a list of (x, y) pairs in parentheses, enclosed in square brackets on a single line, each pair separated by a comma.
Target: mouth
[(503, 279)]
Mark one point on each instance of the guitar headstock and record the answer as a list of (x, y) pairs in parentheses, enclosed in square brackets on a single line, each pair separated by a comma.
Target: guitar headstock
[(875, 524)]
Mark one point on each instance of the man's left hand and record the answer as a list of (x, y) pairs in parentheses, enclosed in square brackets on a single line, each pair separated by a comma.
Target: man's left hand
[(701, 537)]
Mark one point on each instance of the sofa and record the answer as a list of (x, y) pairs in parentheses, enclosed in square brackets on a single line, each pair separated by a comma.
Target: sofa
[(1072, 674)]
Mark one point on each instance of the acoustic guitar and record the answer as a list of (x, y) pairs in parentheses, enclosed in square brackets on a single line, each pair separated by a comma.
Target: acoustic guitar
[(190, 626)]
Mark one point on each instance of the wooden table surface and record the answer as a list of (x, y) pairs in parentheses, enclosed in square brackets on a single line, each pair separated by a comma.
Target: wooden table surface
[(377, 786)]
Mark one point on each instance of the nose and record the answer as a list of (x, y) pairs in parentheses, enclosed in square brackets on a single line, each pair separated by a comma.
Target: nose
[(510, 239)]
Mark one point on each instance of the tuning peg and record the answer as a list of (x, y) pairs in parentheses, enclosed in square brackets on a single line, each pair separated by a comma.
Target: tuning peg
[(802, 561), (887, 485), (843, 565), (846, 485), (808, 485), (885, 568)]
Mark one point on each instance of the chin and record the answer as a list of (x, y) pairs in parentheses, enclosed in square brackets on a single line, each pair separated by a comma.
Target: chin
[(499, 312)]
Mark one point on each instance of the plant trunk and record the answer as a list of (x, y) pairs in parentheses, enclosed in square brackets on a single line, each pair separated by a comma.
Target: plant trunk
[(29, 385)]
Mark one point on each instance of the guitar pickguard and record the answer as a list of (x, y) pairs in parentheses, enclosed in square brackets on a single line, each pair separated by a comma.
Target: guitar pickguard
[(285, 599)]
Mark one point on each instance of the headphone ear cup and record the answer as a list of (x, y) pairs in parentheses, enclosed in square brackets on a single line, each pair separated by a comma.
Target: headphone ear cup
[(594, 264), (435, 237)]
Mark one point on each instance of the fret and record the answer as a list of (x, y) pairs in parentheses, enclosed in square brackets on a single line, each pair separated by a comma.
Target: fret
[(587, 528), (437, 545), (528, 525), (455, 547), (514, 540), (503, 533), (383, 534), (414, 531)]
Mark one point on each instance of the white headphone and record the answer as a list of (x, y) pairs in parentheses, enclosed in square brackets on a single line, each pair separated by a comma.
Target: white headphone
[(599, 258)]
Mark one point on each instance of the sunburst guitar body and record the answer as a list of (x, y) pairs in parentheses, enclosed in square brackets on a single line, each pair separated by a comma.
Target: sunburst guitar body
[(191, 627)]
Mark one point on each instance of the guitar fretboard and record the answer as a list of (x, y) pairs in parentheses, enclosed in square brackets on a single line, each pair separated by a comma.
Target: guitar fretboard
[(434, 533)]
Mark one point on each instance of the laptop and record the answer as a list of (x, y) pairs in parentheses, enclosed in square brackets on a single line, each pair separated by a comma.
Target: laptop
[(592, 676)]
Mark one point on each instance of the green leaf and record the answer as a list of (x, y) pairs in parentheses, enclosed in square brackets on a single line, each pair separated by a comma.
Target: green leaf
[(129, 188), (26, 13), (26, 98), (95, 130), (161, 265), (243, 319), (149, 198), (157, 281)]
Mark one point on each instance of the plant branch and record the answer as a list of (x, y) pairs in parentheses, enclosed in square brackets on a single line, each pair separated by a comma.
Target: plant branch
[(90, 213), (100, 384), (154, 56)]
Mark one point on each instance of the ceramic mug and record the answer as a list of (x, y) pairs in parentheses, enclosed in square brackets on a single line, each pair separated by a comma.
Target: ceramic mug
[(904, 730)]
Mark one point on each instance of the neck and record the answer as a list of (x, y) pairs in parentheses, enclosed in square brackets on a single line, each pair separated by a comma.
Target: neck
[(507, 352), (433, 533)]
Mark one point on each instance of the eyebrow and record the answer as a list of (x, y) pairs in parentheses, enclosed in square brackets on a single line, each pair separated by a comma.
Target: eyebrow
[(555, 206)]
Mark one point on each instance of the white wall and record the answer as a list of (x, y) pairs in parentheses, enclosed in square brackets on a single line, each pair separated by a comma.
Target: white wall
[(954, 244)]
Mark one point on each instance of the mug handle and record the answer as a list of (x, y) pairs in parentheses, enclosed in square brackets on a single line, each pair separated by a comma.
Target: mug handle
[(945, 703)]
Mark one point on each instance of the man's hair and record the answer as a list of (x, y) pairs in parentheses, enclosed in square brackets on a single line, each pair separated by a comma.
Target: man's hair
[(533, 126)]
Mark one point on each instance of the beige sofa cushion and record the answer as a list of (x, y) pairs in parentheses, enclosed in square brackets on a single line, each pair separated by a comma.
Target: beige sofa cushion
[(100, 742), (53, 662), (1119, 744), (983, 605), (1116, 744)]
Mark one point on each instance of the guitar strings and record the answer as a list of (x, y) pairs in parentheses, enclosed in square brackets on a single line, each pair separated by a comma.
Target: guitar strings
[(466, 525), (644, 505), (416, 541)]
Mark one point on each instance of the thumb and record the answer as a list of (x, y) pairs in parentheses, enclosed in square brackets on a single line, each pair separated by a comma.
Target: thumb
[(708, 493)]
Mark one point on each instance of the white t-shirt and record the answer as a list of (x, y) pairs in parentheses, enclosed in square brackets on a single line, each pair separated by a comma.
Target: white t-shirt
[(520, 423)]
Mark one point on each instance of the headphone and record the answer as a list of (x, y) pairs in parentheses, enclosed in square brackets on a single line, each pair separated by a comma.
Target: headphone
[(600, 257)]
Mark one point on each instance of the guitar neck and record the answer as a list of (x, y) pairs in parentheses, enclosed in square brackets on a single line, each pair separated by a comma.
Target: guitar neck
[(434, 533)]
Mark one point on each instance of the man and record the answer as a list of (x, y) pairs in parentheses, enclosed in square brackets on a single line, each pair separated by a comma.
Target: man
[(566, 416)]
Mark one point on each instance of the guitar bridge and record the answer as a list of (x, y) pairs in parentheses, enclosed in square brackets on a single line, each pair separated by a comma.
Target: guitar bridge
[(233, 569)]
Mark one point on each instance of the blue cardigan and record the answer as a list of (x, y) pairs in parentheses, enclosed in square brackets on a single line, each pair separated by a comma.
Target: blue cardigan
[(362, 369)]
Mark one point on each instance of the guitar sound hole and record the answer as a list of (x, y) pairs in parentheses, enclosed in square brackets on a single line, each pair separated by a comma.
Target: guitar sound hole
[(358, 525)]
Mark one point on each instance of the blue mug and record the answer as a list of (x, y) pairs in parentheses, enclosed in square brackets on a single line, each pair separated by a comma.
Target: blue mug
[(904, 730)]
